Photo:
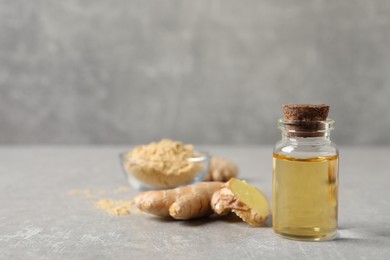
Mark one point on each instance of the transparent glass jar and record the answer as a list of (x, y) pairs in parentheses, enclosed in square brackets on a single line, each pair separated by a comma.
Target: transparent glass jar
[(305, 181)]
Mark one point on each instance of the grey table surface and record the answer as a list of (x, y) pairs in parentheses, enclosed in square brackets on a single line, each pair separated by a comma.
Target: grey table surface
[(39, 219)]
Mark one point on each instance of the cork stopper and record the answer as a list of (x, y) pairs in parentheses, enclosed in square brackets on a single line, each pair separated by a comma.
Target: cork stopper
[(305, 112), (304, 120)]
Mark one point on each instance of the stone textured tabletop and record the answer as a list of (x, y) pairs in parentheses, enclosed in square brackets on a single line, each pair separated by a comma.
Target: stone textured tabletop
[(39, 219)]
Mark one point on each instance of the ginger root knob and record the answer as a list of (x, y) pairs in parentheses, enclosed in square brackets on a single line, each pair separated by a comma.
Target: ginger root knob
[(221, 170)]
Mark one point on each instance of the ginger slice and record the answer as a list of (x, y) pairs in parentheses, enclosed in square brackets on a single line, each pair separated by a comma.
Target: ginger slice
[(245, 200)]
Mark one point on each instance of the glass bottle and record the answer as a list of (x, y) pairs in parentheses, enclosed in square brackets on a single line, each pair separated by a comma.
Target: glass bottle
[(305, 181)]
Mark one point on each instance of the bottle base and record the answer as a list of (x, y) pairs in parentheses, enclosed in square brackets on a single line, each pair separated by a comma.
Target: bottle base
[(307, 235)]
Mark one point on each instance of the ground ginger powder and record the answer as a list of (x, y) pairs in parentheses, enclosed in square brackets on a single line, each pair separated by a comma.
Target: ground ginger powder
[(116, 207), (164, 164)]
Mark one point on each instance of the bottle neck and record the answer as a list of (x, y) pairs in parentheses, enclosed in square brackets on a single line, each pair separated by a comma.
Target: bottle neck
[(324, 139), (306, 133)]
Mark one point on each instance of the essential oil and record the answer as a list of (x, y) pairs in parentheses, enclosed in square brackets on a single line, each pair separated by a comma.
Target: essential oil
[(305, 176)]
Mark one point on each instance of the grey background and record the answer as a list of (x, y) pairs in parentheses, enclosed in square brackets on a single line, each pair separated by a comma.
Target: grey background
[(204, 71)]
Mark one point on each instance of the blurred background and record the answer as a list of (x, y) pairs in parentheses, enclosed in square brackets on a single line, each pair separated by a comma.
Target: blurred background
[(204, 71)]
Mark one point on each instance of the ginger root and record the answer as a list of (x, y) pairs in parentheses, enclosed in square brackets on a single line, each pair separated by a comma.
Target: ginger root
[(206, 198), (221, 170), (245, 200), (181, 203)]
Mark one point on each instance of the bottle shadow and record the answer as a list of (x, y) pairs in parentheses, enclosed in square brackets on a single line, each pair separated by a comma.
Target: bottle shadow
[(365, 235)]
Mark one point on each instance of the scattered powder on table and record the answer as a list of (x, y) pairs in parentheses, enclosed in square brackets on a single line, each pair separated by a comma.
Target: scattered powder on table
[(117, 207), (86, 193), (122, 190), (111, 206)]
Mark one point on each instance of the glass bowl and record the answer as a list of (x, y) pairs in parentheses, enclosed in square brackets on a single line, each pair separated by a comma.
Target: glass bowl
[(165, 174)]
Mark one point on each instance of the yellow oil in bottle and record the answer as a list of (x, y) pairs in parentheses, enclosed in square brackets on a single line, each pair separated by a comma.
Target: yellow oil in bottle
[(305, 196)]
